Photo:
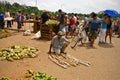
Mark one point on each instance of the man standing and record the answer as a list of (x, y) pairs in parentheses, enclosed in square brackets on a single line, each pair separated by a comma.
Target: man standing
[(19, 18), (1, 20), (119, 27), (95, 26), (61, 19), (59, 43), (44, 16), (7, 15)]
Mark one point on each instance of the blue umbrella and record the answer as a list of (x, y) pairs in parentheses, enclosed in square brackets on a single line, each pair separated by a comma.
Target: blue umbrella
[(119, 15), (112, 13)]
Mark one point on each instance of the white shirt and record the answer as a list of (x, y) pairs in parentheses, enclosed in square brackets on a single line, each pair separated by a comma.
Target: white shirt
[(7, 14)]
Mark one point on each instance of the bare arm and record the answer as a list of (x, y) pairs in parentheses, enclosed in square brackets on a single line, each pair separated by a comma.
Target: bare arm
[(99, 28), (50, 48)]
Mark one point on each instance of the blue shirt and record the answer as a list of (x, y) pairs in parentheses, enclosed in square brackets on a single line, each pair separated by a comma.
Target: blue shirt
[(61, 18), (19, 17), (1, 17), (44, 17), (94, 24), (103, 25)]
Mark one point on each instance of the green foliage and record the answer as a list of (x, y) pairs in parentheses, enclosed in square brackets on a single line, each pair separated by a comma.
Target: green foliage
[(4, 6)]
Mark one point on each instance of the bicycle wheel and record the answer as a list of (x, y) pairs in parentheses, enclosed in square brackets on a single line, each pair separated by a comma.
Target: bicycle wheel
[(74, 41)]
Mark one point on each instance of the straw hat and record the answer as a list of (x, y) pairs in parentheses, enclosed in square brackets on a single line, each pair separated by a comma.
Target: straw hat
[(32, 14), (45, 10)]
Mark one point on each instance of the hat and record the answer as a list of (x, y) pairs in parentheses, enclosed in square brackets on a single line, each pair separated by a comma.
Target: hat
[(32, 13), (60, 33), (45, 10), (19, 10)]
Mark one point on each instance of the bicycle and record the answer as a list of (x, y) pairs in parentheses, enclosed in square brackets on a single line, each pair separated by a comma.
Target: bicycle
[(80, 36)]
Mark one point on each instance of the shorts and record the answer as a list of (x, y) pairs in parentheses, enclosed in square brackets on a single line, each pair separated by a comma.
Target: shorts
[(57, 51), (93, 35), (108, 30), (69, 29), (73, 27)]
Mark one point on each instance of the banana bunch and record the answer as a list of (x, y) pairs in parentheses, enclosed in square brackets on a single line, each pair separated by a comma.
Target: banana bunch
[(18, 52), (38, 76), (53, 22), (4, 79)]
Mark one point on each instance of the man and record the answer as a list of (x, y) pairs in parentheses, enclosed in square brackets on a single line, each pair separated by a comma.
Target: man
[(59, 43), (119, 27), (7, 15), (19, 19), (61, 19), (95, 26), (1, 20), (44, 16)]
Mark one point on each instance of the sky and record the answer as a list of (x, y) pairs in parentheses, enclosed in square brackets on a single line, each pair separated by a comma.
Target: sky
[(72, 6)]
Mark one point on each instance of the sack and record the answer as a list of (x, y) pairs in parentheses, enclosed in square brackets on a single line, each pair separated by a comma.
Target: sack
[(27, 33), (37, 35)]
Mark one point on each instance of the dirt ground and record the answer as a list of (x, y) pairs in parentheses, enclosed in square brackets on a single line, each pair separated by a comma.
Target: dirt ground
[(104, 60)]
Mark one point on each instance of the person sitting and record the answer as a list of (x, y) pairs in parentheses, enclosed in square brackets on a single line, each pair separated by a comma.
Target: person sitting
[(58, 43)]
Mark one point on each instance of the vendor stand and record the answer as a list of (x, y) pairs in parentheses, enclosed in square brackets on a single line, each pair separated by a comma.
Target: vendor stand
[(48, 29), (36, 26)]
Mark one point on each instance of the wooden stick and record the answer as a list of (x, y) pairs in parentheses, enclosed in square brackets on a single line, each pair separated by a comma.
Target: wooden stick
[(55, 61)]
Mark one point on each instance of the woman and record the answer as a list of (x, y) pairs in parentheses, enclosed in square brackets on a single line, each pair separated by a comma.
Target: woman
[(109, 29), (102, 33), (72, 25)]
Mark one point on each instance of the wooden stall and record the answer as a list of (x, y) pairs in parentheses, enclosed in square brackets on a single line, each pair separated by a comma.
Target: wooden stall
[(36, 26), (48, 30)]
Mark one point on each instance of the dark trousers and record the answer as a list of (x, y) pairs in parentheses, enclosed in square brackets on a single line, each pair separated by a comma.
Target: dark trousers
[(18, 25), (1, 24), (8, 23)]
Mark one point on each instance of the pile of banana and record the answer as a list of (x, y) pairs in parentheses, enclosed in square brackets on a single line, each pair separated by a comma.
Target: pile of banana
[(18, 52), (4, 33), (31, 75)]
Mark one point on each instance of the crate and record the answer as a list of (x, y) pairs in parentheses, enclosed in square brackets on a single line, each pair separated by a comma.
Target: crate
[(46, 31)]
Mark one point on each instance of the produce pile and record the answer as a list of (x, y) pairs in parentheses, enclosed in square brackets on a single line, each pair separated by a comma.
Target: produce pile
[(38, 76), (30, 20), (53, 22), (4, 33), (31, 75), (18, 52), (4, 79)]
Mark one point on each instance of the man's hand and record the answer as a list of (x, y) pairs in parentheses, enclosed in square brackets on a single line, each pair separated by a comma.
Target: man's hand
[(50, 49), (49, 52)]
